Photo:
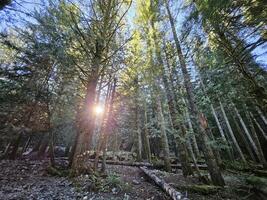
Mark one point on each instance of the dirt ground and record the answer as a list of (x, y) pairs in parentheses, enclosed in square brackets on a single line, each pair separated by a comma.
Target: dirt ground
[(24, 179)]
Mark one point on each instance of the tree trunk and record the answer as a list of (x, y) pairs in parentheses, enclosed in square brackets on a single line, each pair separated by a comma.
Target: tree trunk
[(256, 140), (100, 145), (15, 146), (137, 121), (232, 134), (38, 144), (254, 146), (6, 150), (247, 145), (164, 139), (85, 126), (261, 115), (216, 119), (68, 148), (26, 145), (193, 137), (213, 168), (146, 137), (259, 126), (109, 124), (174, 112), (43, 147), (73, 148)]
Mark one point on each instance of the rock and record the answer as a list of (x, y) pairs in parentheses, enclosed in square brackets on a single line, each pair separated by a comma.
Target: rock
[(126, 197), (85, 198), (136, 182), (114, 191)]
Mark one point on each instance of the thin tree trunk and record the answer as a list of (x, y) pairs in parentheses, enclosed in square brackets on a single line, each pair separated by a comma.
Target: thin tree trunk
[(246, 143), (261, 115), (51, 132), (15, 146), (230, 155), (103, 166), (73, 148), (139, 136), (43, 147), (101, 142), (146, 137), (6, 150), (26, 145), (109, 124), (232, 134), (254, 146), (68, 148), (214, 148), (51, 148), (213, 168), (259, 126), (137, 121), (190, 148), (193, 137), (164, 139), (256, 140)]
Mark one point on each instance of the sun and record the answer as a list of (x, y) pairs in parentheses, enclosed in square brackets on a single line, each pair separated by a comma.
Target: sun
[(98, 110)]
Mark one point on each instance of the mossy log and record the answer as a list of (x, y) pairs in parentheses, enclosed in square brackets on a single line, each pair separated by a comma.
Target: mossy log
[(259, 184), (202, 189), (261, 173), (175, 195)]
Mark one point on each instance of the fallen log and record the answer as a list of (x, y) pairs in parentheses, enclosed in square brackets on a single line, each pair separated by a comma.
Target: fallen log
[(163, 185), (259, 184), (145, 164)]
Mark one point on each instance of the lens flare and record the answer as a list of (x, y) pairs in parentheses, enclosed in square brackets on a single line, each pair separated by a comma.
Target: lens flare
[(98, 110)]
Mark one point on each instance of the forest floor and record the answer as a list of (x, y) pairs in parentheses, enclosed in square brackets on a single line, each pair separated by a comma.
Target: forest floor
[(25, 179)]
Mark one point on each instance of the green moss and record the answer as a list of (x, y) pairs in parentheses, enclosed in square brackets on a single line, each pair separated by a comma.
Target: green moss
[(203, 189), (56, 172), (257, 181)]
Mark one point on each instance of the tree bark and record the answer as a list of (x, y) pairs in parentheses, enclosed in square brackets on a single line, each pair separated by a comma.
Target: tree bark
[(85, 125)]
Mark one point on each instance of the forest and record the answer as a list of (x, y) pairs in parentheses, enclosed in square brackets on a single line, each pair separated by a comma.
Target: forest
[(133, 99)]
